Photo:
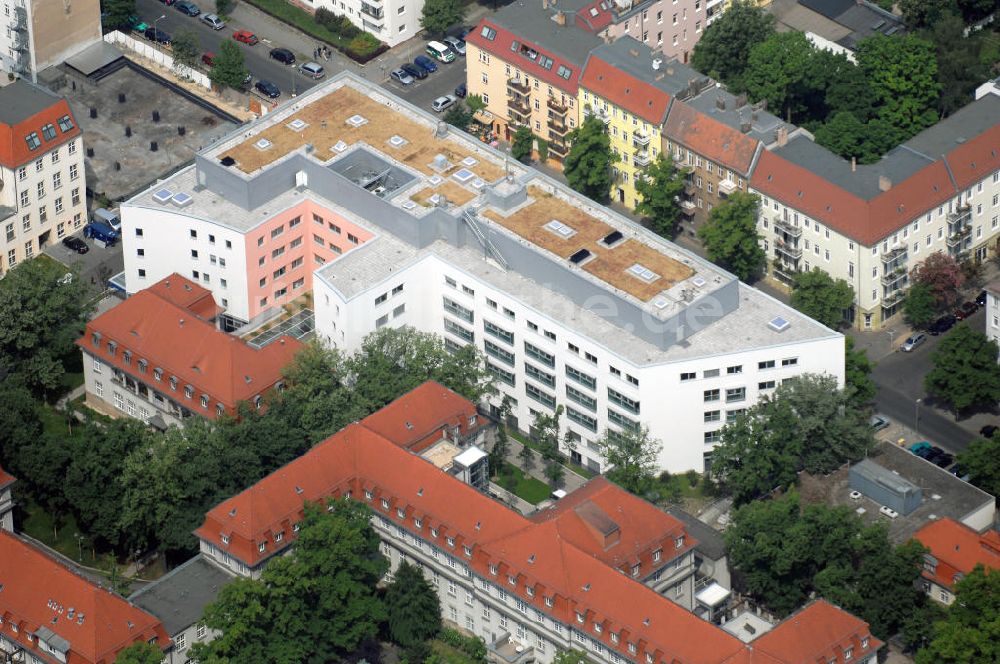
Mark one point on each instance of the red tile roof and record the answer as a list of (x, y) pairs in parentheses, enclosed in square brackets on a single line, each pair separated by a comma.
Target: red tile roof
[(594, 17), (14, 150), (174, 339), (710, 138), (188, 295), (421, 417), (625, 91), (6, 478), (38, 592), (977, 158), (550, 554), (957, 550), (820, 632), (500, 47)]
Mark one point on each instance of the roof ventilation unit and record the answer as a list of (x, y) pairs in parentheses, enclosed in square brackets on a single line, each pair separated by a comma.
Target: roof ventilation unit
[(163, 196), (297, 125), (357, 120), (661, 303), (699, 281), (579, 256), (612, 237), (397, 141), (339, 146), (262, 144), (779, 324), (181, 199)]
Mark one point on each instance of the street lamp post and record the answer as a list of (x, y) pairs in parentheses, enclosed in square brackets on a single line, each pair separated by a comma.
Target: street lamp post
[(155, 36), (916, 417), (79, 544)]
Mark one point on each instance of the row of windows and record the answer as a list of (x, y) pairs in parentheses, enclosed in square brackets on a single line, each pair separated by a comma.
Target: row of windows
[(737, 369), (733, 394)]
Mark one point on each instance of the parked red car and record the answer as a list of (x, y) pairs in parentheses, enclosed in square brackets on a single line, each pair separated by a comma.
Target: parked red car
[(246, 37), (208, 58)]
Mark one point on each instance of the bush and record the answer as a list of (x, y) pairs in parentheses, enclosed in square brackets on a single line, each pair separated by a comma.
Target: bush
[(473, 646), (693, 478), (339, 37)]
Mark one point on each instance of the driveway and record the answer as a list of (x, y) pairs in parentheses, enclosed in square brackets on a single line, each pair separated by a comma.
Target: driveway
[(95, 266)]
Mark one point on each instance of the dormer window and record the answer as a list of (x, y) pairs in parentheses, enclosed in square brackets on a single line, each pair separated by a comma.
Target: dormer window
[(142, 366), (112, 347), (188, 391), (368, 495), (679, 542), (434, 533), (530, 591), (173, 383), (451, 542), (632, 648), (157, 374), (95, 338), (220, 410), (262, 546), (225, 539), (512, 580), (295, 528), (579, 618), (864, 643), (657, 555), (649, 658), (385, 503), (549, 601), (127, 357), (614, 637), (401, 513), (598, 628), (258, 402), (848, 654), (418, 523), (493, 570), (467, 551), (279, 536), (204, 401)]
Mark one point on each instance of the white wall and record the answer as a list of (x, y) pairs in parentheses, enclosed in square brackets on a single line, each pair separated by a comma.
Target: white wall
[(400, 20)]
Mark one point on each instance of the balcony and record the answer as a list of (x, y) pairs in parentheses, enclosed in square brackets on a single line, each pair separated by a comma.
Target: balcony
[(789, 250), (558, 150), (600, 114), (788, 228), (957, 238), (556, 107), (784, 272), (688, 208), (890, 300), (895, 279), (726, 187), (959, 219), (641, 158), (639, 139), (371, 10), (558, 129), (689, 187), (516, 85), (506, 650)]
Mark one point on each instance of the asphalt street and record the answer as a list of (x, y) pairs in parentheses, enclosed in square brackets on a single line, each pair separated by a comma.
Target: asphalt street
[(273, 34), (900, 380)]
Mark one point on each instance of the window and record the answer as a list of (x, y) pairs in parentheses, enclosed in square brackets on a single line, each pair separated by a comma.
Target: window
[(538, 395), (585, 400), (736, 394), (733, 370), (711, 395), (713, 415), (33, 141), (538, 354), (584, 420), (766, 385), (580, 377), (689, 375), (501, 374), (622, 421), (539, 375), (499, 333), (57, 180), (620, 399), (767, 364), (455, 309), (790, 362)]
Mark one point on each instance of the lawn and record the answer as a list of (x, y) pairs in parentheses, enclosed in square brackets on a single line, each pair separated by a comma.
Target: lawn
[(576, 468), (60, 535), (303, 20), (524, 486), (449, 654)]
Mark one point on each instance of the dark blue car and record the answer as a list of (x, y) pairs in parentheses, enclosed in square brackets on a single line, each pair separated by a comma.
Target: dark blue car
[(414, 71), (425, 63)]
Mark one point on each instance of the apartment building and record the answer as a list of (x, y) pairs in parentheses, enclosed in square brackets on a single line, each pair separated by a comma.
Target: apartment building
[(871, 224), (573, 304), (525, 62), (51, 615), (159, 357), (588, 573), (42, 180), (6, 501), (391, 21), (43, 33), (954, 550), (993, 311)]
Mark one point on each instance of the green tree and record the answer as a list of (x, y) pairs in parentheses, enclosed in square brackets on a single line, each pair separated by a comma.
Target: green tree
[(847, 136), (965, 374), (632, 457), (858, 375), (588, 165), (820, 296), (660, 190), (185, 48), (902, 73), (457, 116), (115, 14), (41, 316), (412, 607), (520, 147), (229, 69), (439, 15), (223, 7), (315, 605), (970, 631), (919, 306), (975, 10), (140, 653), (569, 657), (724, 48), (958, 59), (808, 424), (942, 275), (981, 460), (731, 238), (779, 70), (926, 13), (475, 103), (846, 88)]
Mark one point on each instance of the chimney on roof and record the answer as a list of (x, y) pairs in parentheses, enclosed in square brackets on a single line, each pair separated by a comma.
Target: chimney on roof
[(560, 18), (634, 53), (656, 63), (741, 99), (670, 71), (854, 164), (720, 102), (182, 322), (781, 136), (884, 183)]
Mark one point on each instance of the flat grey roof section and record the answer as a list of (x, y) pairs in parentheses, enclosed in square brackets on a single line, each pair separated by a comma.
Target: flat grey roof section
[(95, 57), (635, 58), (179, 598), (20, 100), (531, 21), (964, 124), (710, 540), (944, 495), (763, 125)]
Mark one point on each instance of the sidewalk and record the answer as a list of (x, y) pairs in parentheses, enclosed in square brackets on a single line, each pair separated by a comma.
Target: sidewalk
[(570, 482)]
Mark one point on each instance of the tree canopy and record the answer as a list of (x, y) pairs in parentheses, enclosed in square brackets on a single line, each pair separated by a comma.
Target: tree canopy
[(184, 48), (779, 70), (965, 374), (943, 277), (42, 314), (782, 552), (970, 631), (731, 238), (588, 165), (724, 48), (439, 15), (820, 296), (140, 653), (920, 306), (807, 424), (902, 75), (633, 457), (228, 68), (660, 190), (981, 460), (115, 14), (858, 375), (412, 607), (520, 147), (314, 605)]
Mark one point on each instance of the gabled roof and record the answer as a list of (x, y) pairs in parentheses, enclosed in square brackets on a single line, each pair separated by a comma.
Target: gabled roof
[(958, 549), (41, 596), (25, 109), (187, 294), (819, 632), (176, 340), (419, 417), (550, 555), (626, 91), (6, 478), (710, 138), (973, 160), (569, 49)]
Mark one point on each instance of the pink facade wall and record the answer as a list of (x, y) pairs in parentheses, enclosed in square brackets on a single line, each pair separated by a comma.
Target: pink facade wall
[(645, 27), (315, 235)]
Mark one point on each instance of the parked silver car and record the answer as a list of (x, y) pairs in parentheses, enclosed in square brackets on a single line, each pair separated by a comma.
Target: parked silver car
[(401, 76), (443, 103), (213, 21), (312, 70), (913, 341), (455, 44)]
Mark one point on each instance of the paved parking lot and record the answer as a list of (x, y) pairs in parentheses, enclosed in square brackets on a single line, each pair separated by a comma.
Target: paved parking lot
[(95, 266)]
